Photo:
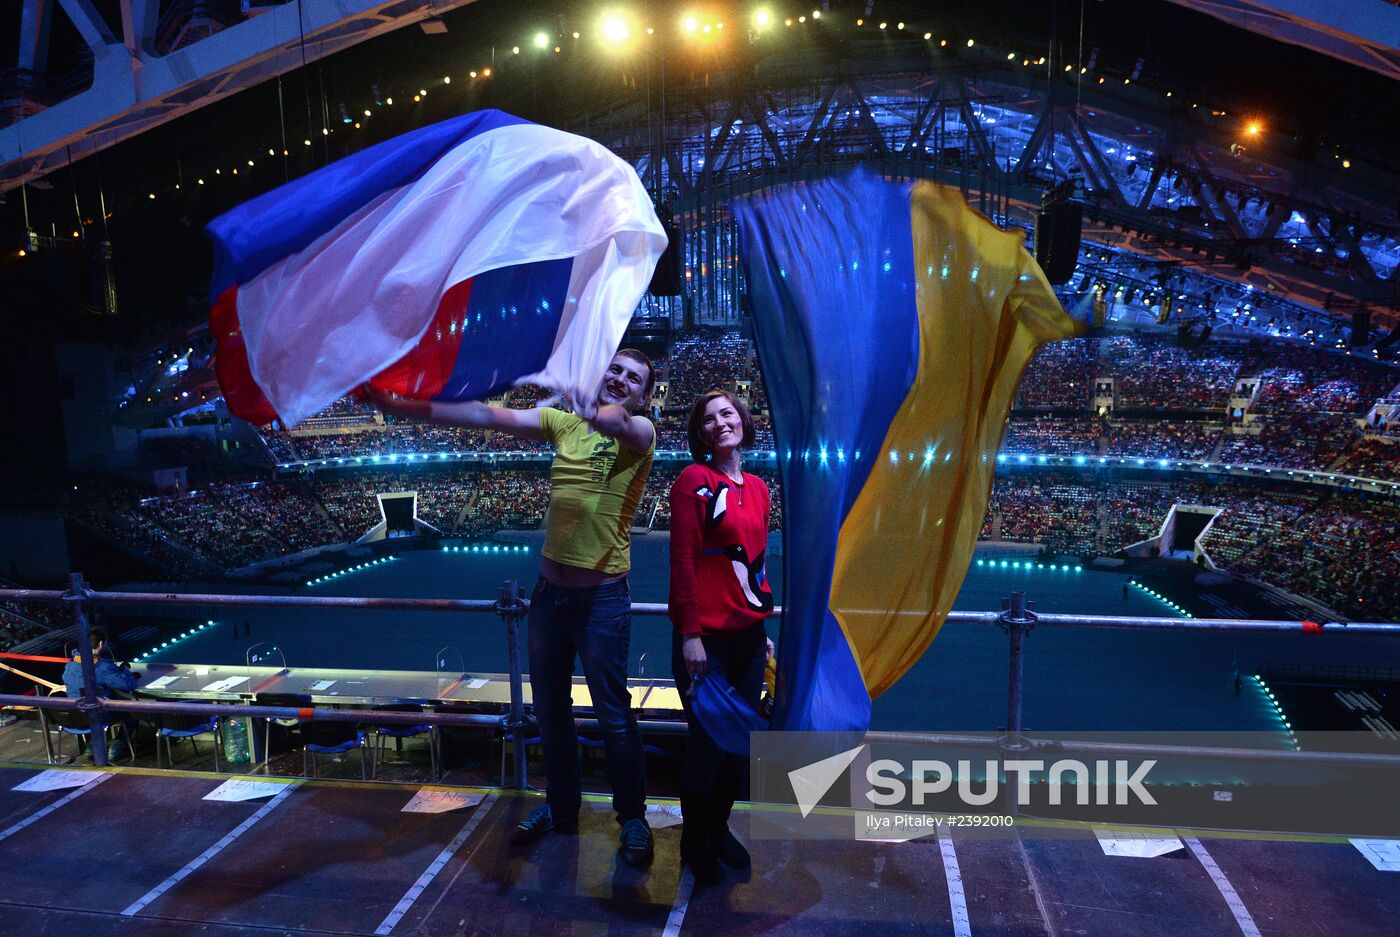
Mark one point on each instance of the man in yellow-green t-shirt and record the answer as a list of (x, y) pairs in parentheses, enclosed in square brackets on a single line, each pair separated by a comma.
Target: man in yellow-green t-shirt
[(581, 606)]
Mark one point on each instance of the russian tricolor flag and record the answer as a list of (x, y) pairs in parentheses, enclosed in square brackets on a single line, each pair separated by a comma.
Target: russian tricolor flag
[(448, 263)]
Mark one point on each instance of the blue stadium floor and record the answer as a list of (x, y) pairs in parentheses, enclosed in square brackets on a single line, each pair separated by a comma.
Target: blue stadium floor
[(1075, 679)]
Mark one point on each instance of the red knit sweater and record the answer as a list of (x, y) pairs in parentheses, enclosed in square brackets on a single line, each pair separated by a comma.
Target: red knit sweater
[(719, 536)]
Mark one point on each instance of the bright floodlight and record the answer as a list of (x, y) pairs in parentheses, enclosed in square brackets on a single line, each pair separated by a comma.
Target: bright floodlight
[(690, 24), (541, 40), (615, 28), (762, 18)]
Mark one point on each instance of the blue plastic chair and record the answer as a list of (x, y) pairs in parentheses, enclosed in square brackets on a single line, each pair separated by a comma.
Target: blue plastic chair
[(400, 732), (74, 723), (331, 738), (175, 726)]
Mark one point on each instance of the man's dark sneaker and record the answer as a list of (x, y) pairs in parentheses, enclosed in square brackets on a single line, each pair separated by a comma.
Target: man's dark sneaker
[(729, 850), (539, 822), (636, 848)]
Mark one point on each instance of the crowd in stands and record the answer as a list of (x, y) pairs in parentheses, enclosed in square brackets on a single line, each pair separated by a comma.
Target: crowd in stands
[(1372, 458), (1342, 551), (22, 621), (1293, 440), (1160, 438), (1046, 435), (1052, 510), (1252, 520), (1296, 378), (1153, 373), (204, 464), (16, 630), (514, 498), (700, 363), (455, 500), (397, 439), (1331, 547), (1337, 548), (347, 406), (241, 524), (1324, 547), (1059, 376)]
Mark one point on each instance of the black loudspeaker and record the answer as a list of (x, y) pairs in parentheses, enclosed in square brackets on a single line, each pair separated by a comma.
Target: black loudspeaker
[(666, 279), (1360, 328), (1187, 337), (1057, 230)]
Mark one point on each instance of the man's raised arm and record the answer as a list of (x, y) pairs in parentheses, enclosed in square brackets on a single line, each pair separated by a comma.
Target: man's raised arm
[(471, 414)]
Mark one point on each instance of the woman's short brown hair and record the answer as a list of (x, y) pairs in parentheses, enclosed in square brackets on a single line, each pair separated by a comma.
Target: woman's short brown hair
[(699, 449)]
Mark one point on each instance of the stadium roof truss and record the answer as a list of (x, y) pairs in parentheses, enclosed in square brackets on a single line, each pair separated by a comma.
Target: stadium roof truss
[(1166, 181), (160, 67)]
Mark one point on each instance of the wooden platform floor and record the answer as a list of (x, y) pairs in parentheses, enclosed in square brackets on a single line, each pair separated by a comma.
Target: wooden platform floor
[(134, 851)]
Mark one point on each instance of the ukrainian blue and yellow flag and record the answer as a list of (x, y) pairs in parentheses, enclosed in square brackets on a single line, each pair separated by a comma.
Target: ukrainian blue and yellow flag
[(893, 326)]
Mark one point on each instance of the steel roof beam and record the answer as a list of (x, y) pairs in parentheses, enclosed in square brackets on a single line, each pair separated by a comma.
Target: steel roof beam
[(133, 90)]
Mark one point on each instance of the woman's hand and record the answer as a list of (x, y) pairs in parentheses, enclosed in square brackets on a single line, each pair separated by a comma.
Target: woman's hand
[(767, 649), (696, 663)]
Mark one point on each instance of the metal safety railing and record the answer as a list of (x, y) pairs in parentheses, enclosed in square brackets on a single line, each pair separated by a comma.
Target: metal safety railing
[(1016, 619)]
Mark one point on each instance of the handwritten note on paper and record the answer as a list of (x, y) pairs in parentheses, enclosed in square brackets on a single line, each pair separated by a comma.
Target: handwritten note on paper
[(1138, 845), (426, 801), (239, 789), (56, 780), (163, 681), (476, 683), (660, 816), (320, 685), (1384, 854)]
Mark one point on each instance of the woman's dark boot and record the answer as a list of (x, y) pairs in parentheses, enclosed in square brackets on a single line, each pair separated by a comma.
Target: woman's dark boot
[(696, 851), (725, 844)]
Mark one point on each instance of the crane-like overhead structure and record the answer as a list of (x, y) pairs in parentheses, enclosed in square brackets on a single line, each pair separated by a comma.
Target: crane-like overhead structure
[(161, 67)]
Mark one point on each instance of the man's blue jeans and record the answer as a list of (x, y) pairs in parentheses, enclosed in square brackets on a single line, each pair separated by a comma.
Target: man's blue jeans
[(595, 625)]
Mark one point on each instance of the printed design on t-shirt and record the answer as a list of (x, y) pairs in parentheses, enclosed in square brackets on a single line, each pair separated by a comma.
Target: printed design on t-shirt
[(716, 502), (752, 576), (600, 463)]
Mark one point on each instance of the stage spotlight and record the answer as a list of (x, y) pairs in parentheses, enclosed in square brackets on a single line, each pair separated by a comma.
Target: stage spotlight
[(615, 29), (762, 18), (690, 24), (541, 41)]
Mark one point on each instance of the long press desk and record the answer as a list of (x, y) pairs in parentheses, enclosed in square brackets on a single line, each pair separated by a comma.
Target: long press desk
[(366, 688)]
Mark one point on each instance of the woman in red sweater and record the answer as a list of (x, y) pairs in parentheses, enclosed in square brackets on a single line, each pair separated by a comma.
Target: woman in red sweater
[(719, 599)]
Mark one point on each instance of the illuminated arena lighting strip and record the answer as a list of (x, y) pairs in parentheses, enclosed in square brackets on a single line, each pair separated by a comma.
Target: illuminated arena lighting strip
[(489, 548), (350, 569), (174, 640), (492, 457), (1161, 598), (1029, 565), (1278, 711)]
